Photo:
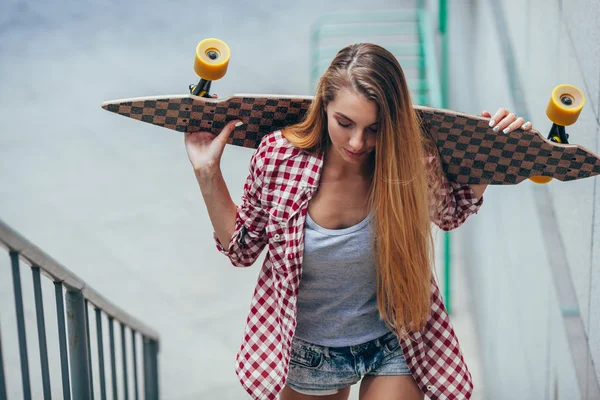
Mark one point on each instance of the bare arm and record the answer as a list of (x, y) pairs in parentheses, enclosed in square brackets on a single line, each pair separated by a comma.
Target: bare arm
[(220, 206), (204, 151)]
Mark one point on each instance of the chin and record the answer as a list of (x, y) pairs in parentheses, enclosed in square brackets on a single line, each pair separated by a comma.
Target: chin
[(354, 161)]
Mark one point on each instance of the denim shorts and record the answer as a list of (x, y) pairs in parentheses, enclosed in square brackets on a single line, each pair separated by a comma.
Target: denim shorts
[(319, 370)]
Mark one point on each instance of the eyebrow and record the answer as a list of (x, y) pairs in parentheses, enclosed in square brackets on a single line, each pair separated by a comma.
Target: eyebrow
[(350, 119)]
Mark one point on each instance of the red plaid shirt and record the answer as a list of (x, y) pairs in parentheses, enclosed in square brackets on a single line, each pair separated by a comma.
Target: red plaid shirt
[(282, 180)]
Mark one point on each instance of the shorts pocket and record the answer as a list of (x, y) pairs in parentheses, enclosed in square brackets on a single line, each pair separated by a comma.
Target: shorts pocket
[(306, 358), (391, 344)]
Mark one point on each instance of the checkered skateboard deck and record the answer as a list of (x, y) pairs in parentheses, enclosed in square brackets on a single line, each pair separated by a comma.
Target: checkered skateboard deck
[(470, 151)]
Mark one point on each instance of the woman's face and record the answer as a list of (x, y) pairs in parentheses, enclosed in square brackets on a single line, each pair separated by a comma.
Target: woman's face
[(352, 123)]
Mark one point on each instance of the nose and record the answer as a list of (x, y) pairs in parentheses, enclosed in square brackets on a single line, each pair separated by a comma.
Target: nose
[(357, 140)]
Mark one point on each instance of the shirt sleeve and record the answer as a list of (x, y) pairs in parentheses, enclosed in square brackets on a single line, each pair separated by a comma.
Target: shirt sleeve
[(249, 236), (451, 203)]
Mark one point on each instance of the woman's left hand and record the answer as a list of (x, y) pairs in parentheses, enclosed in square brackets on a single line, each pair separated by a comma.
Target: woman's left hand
[(506, 121)]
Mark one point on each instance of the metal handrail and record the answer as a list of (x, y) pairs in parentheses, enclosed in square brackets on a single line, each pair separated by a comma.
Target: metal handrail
[(77, 369), (436, 74), (425, 26), (379, 23)]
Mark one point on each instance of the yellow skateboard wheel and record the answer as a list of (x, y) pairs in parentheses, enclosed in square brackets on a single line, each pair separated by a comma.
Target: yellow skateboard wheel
[(540, 179), (212, 59), (565, 105), (544, 179)]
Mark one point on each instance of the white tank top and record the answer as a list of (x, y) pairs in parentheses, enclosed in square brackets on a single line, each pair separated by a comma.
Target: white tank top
[(337, 303)]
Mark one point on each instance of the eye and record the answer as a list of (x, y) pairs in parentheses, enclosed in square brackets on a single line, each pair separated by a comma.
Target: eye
[(343, 125)]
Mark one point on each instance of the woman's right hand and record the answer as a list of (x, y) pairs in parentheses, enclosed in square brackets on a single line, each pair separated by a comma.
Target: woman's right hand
[(204, 149)]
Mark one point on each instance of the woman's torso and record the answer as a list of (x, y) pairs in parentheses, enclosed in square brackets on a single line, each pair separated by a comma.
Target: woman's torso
[(432, 354), (337, 303)]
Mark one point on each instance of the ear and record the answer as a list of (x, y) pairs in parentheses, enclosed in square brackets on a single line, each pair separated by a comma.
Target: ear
[(324, 106)]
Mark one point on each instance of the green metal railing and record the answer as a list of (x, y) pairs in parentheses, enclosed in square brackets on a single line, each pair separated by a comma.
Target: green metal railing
[(333, 31), (409, 35)]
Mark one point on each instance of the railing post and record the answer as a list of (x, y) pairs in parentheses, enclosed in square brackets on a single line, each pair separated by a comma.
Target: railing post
[(41, 327), (14, 256), (124, 359), (89, 348), (150, 369), (78, 345), (113, 357), (2, 379), (135, 366), (62, 340), (444, 78)]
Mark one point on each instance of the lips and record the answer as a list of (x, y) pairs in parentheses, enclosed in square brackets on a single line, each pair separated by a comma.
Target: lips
[(352, 154)]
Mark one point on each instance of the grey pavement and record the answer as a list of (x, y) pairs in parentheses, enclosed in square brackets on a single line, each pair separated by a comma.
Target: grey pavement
[(116, 200)]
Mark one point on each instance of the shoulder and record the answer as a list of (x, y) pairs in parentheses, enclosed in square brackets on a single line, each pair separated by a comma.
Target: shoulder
[(434, 173), (275, 144), (275, 151), (431, 158), (432, 164)]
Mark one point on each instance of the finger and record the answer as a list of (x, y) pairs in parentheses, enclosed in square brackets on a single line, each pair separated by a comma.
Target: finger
[(515, 125), (486, 114), (226, 132), (501, 113), (214, 96), (526, 126), (504, 122)]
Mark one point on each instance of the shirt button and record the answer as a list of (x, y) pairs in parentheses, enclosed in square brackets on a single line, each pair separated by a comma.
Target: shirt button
[(413, 360), (430, 388), (276, 236)]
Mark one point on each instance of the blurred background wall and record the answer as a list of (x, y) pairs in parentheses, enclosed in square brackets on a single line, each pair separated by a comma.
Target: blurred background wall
[(512, 54), (116, 201)]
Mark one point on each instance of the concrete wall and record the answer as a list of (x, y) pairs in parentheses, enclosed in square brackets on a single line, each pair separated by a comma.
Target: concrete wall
[(523, 342)]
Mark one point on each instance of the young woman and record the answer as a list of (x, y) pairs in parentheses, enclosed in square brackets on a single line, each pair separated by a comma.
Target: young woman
[(344, 202)]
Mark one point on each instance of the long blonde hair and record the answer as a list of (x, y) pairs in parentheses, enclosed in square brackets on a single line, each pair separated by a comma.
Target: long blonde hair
[(399, 196)]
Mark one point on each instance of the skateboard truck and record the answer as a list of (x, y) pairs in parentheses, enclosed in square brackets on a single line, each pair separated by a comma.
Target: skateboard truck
[(201, 89), (558, 135), (563, 110), (210, 64)]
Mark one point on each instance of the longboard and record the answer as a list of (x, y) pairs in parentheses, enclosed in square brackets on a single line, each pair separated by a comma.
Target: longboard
[(470, 151)]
